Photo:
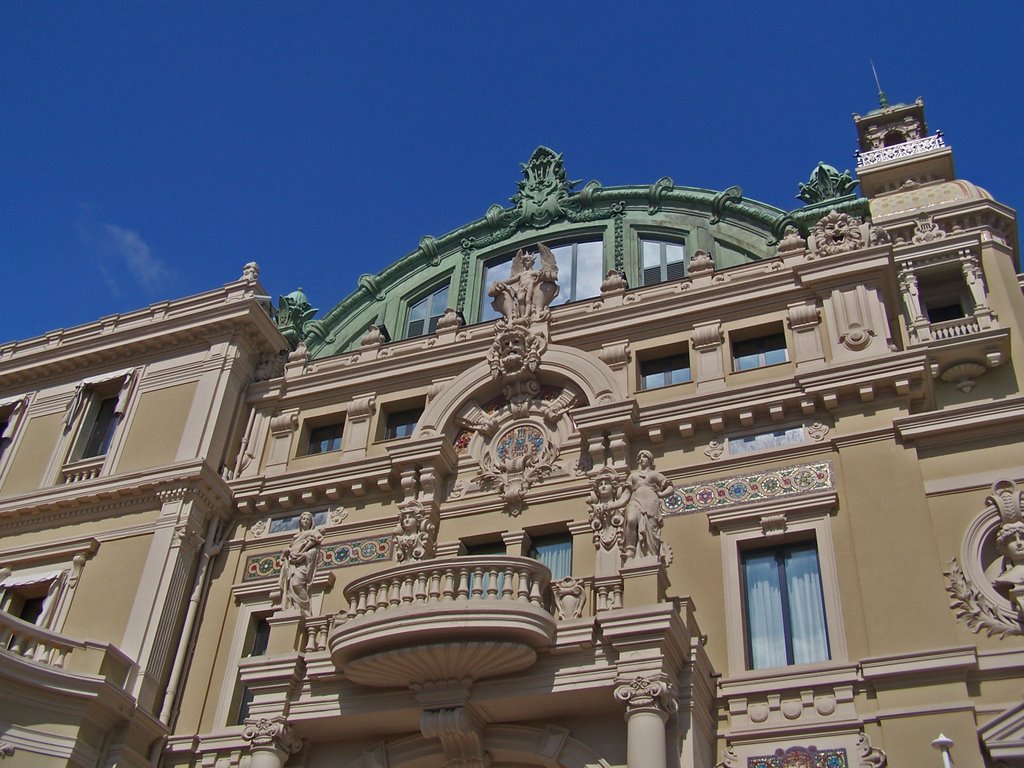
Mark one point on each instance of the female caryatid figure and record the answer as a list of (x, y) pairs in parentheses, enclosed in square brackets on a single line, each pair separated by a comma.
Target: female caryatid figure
[(642, 527), (298, 566)]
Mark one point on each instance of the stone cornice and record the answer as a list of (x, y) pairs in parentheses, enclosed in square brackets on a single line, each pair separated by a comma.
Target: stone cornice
[(999, 416), (229, 311), (193, 479), (896, 374), (267, 493)]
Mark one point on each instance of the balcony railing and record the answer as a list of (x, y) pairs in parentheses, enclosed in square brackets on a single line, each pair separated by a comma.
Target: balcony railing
[(79, 471), (41, 646), (467, 578), (897, 151), (32, 642), (954, 329), (463, 616)]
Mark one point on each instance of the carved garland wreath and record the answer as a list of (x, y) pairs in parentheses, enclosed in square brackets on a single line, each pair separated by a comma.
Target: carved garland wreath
[(972, 598)]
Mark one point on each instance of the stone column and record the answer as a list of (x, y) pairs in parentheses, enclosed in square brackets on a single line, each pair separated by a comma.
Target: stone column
[(648, 703), (271, 741)]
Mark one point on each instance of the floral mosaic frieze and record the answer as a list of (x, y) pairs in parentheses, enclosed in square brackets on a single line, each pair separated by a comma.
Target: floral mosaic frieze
[(799, 757), (744, 489), (338, 555)]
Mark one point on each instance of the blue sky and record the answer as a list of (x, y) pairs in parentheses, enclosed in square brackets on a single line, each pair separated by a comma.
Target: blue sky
[(150, 149)]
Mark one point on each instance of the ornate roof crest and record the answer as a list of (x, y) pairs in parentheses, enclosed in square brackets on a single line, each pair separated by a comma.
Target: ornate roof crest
[(543, 189), (826, 183)]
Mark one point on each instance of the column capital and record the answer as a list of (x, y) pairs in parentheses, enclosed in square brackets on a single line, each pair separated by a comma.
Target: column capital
[(274, 733), (645, 694)]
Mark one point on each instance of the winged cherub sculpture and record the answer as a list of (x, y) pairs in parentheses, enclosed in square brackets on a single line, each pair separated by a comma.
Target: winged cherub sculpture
[(527, 292)]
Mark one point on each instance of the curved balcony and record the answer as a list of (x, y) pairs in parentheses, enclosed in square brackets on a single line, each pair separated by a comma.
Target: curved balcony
[(439, 620), (25, 642)]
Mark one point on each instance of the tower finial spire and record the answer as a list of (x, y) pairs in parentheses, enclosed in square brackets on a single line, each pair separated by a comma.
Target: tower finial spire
[(882, 100)]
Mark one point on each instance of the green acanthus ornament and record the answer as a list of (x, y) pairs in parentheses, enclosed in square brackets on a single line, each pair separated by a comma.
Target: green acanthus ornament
[(826, 183), (543, 189)]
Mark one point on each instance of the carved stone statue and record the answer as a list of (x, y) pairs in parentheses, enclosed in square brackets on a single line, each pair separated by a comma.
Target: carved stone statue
[(293, 314), (527, 292), (415, 535), (298, 566), (608, 498), (646, 486)]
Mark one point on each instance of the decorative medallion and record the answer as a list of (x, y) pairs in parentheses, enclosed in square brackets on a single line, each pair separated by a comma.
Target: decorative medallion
[(522, 457)]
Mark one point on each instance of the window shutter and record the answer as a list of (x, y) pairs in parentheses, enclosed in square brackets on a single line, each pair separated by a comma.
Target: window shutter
[(652, 275), (676, 270)]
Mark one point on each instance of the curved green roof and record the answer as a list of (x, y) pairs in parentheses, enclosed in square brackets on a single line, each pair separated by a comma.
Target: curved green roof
[(547, 209)]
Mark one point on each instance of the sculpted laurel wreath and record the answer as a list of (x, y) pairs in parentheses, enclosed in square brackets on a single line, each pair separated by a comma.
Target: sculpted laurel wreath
[(976, 609)]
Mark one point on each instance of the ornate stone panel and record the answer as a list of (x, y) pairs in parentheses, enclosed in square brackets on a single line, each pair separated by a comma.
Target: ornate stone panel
[(336, 555), (743, 489)]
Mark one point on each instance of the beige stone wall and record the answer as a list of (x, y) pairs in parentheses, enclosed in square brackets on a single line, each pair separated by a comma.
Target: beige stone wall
[(33, 456), (156, 428), (103, 600)]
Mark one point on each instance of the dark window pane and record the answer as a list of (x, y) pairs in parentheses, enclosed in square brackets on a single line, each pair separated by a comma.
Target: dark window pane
[(945, 313), (325, 439), (664, 371), (32, 609), (260, 636), (759, 352), (102, 429), (402, 423)]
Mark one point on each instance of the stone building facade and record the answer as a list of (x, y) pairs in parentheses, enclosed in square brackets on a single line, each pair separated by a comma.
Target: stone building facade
[(645, 476)]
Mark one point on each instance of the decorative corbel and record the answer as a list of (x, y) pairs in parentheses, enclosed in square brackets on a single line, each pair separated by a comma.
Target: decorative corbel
[(461, 734)]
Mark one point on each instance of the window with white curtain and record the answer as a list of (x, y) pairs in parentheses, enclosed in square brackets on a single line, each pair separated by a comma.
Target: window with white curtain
[(554, 551), (785, 608)]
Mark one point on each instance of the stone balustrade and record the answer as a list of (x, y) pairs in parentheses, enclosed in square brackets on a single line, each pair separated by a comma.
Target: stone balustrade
[(31, 642), (42, 646), (79, 471), (465, 578), (953, 329), (435, 619), (898, 151)]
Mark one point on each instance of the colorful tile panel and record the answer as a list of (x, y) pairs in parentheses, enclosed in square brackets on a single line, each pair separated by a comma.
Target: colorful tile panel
[(798, 757), (338, 555), (743, 489)]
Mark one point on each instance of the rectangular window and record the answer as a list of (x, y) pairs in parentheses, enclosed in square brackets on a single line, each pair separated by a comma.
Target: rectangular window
[(98, 430), (785, 608), (260, 636), (425, 313), (32, 598), (759, 352), (554, 551), (493, 547), (665, 371), (402, 423), (662, 261), (580, 268), (325, 439), (944, 296)]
